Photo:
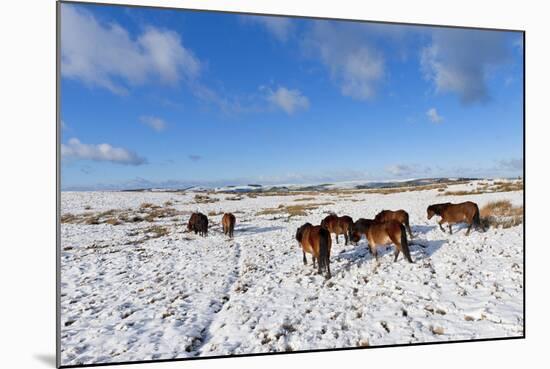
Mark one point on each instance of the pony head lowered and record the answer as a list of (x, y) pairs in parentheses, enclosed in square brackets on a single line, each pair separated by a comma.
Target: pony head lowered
[(357, 229), (436, 209)]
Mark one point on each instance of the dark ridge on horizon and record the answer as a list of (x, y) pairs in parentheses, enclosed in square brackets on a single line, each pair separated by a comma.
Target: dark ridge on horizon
[(285, 187)]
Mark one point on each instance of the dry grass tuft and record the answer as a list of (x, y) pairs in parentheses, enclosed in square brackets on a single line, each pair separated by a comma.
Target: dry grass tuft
[(388, 191), (157, 231), (155, 213), (497, 186), (68, 218), (293, 210), (113, 221), (205, 199), (461, 193), (146, 211), (214, 213), (93, 220), (501, 214)]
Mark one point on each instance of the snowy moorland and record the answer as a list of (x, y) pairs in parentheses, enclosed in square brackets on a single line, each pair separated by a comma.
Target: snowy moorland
[(136, 286)]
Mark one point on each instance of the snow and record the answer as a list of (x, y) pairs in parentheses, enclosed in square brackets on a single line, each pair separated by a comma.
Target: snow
[(128, 297)]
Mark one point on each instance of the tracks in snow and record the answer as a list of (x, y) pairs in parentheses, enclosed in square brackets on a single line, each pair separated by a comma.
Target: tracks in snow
[(206, 334)]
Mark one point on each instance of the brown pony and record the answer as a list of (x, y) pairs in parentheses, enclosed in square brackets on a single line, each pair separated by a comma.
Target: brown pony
[(380, 234), (198, 223), (338, 225), (315, 240), (228, 224), (399, 215), (465, 212)]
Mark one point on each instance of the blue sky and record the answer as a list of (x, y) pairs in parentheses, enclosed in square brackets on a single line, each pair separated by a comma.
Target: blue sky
[(153, 97)]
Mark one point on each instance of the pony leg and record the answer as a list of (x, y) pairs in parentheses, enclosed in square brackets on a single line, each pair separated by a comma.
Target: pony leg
[(377, 262), (313, 261), (305, 260), (450, 228), (409, 229), (441, 226), (328, 270), (336, 238), (468, 231), (374, 252), (346, 238), (481, 226), (396, 253)]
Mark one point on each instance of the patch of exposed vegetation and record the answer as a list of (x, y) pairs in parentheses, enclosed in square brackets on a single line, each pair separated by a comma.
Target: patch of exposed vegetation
[(305, 199), (234, 198), (156, 213), (113, 221), (156, 231), (213, 213), (497, 186), (388, 191), (501, 214), (205, 199), (293, 210), (146, 212), (68, 218)]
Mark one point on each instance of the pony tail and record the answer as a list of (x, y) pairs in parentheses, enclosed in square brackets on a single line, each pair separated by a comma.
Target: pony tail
[(477, 220), (405, 244), (324, 252)]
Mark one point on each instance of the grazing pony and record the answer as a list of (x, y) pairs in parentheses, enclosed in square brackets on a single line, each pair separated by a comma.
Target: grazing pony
[(338, 225), (315, 240), (399, 215), (380, 234), (465, 212), (228, 224), (198, 223)]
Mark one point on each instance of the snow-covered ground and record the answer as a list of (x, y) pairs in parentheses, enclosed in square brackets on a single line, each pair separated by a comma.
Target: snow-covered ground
[(129, 296)]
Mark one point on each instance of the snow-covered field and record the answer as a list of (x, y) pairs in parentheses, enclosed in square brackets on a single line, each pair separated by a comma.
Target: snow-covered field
[(130, 295)]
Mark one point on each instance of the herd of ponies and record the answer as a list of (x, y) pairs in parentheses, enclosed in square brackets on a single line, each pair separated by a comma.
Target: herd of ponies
[(386, 228)]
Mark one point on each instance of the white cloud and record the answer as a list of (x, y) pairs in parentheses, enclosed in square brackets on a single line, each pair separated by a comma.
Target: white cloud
[(279, 27), (105, 55), (289, 101), (155, 123), (74, 149), (460, 61), (354, 64), (227, 104), (434, 115)]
